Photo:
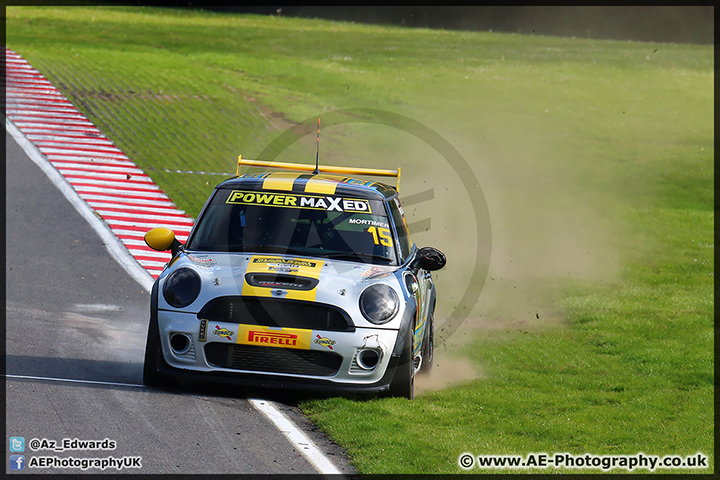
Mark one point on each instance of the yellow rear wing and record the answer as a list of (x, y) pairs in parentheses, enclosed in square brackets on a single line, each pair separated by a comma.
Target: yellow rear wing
[(323, 169)]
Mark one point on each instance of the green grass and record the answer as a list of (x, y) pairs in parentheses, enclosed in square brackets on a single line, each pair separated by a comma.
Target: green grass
[(594, 330)]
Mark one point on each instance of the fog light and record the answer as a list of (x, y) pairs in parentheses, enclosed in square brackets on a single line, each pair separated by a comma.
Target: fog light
[(368, 359), (179, 343)]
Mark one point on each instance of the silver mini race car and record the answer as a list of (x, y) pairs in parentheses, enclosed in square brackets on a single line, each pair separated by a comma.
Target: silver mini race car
[(299, 280)]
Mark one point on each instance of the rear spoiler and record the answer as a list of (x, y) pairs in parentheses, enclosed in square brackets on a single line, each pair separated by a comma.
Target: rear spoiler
[(324, 169)]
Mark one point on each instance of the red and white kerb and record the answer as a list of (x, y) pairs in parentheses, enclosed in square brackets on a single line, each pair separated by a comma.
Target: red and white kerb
[(121, 193)]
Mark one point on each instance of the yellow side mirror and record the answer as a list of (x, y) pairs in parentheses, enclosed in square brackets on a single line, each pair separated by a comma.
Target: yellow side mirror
[(160, 239)]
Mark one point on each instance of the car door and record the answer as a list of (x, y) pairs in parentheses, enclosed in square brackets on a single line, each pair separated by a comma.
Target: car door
[(422, 278)]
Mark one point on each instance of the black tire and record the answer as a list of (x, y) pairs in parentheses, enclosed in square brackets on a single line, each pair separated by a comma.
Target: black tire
[(429, 350), (154, 357), (403, 382)]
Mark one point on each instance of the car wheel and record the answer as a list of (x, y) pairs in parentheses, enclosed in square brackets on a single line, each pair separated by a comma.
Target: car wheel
[(153, 357), (403, 382), (430, 344)]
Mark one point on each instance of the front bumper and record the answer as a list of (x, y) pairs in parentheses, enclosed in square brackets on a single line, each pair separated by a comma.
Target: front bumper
[(274, 357)]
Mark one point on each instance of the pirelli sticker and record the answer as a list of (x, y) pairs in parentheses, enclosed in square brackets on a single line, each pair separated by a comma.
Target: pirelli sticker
[(274, 337), (289, 266), (292, 200)]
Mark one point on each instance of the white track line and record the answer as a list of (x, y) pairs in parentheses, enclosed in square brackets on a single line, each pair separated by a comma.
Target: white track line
[(119, 251), (296, 437), (74, 380)]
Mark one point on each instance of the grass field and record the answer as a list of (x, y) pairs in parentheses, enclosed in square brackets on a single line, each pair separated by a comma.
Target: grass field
[(593, 331)]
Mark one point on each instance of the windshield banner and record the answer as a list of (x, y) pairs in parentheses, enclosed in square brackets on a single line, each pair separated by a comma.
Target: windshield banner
[(289, 200)]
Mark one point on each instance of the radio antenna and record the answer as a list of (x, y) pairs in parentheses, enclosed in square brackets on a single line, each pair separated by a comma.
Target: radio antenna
[(317, 152)]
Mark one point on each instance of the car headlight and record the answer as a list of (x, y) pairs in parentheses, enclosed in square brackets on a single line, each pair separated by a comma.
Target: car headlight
[(182, 287), (379, 303)]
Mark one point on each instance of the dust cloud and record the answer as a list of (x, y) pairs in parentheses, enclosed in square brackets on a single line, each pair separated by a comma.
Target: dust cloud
[(547, 233), (446, 371)]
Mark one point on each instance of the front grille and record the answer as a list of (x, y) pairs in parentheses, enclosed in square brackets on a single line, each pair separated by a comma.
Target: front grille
[(274, 280), (273, 312), (273, 359)]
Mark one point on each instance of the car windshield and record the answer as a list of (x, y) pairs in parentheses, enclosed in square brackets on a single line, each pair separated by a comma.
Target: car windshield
[(354, 229)]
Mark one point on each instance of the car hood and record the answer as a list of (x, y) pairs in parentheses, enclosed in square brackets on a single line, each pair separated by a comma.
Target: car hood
[(291, 277)]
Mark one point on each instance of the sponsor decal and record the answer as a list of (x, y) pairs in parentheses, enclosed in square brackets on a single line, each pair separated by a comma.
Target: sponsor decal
[(274, 262), (274, 337), (376, 272), (202, 334), (308, 269), (223, 332), (368, 273), (324, 342), (205, 262), (283, 266), (282, 269), (290, 200)]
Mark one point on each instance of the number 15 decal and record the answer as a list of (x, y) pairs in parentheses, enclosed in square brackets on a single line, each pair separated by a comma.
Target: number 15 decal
[(381, 236)]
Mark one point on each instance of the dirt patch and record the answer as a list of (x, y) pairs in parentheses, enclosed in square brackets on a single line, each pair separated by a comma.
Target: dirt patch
[(447, 371), (276, 119)]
